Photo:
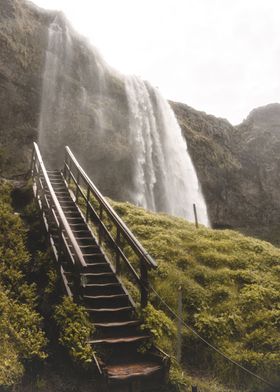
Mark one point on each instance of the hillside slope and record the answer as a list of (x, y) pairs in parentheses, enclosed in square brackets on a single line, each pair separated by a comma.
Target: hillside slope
[(230, 287)]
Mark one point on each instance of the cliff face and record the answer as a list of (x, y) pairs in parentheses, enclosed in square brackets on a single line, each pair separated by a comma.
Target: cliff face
[(22, 45), (81, 93), (238, 167)]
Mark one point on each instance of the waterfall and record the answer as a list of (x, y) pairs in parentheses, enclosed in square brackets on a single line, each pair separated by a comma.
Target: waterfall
[(52, 115), (165, 178), (122, 130)]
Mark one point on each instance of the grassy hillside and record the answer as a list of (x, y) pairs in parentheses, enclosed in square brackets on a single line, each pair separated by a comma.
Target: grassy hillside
[(231, 292), (230, 289)]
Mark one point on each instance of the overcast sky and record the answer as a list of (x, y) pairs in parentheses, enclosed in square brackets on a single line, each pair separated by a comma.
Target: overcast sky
[(219, 56)]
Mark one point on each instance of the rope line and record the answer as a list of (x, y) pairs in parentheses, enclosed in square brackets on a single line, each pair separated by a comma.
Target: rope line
[(213, 347)]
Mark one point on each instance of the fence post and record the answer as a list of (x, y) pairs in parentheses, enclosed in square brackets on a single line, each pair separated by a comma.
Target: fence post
[(179, 325), (195, 215), (144, 283)]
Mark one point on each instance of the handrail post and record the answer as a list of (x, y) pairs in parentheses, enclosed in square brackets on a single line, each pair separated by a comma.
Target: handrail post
[(88, 201), (65, 163), (100, 227), (77, 280), (144, 283), (77, 186), (70, 170), (118, 242)]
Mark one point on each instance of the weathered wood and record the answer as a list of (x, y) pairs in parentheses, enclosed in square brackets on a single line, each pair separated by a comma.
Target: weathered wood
[(195, 215)]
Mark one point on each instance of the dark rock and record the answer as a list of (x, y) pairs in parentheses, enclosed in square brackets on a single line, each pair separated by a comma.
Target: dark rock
[(238, 168)]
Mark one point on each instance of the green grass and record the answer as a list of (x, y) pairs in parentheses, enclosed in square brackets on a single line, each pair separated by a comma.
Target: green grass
[(231, 292)]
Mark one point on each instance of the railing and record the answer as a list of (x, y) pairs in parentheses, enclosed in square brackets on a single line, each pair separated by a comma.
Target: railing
[(53, 211), (110, 226)]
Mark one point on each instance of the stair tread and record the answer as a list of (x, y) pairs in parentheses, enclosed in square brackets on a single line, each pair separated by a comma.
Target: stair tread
[(97, 285), (128, 370), (118, 324), (105, 296), (98, 273), (109, 309), (123, 339)]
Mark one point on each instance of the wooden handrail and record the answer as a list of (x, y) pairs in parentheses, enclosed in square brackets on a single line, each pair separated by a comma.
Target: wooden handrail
[(62, 218), (127, 234)]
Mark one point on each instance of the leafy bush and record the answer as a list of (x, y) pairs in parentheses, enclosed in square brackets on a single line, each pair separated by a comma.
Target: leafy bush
[(75, 329), (160, 327), (21, 336)]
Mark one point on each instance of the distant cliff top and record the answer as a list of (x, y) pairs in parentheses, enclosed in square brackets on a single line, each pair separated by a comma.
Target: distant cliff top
[(265, 115)]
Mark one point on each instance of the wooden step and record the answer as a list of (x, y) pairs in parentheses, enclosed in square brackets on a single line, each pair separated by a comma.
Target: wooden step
[(101, 297), (111, 310), (103, 288), (120, 324), (125, 372), (119, 340), (102, 277)]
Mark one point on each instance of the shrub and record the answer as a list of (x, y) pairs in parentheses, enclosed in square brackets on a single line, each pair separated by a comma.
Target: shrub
[(75, 329)]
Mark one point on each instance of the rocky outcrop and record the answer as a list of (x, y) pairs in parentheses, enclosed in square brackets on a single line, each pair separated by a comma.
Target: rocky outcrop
[(22, 45), (238, 167)]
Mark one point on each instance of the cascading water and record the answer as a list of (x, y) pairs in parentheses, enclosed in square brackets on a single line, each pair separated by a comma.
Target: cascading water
[(165, 178), (65, 91), (122, 130), (52, 116)]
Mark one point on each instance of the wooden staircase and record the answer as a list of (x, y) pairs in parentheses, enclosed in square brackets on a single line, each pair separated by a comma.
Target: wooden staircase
[(91, 279)]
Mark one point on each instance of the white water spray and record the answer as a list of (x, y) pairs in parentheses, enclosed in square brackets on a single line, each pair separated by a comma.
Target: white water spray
[(165, 178)]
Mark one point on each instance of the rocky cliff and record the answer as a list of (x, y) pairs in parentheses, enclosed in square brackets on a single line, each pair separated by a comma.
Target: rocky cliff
[(237, 166)]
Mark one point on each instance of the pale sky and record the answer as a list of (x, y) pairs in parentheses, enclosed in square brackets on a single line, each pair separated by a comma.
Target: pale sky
[(219, 56)]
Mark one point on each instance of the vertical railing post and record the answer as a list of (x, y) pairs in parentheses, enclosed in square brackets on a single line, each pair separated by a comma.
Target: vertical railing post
[(70, 170), (77, 187), (88, 201), (79, 280), (65, 163), (144, 283), (100, 226), (118, 242)]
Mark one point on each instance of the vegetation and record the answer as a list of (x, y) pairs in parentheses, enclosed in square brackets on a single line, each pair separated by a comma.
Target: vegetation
[(35, 318), (230, 289), (22, 338), (75, 329)]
